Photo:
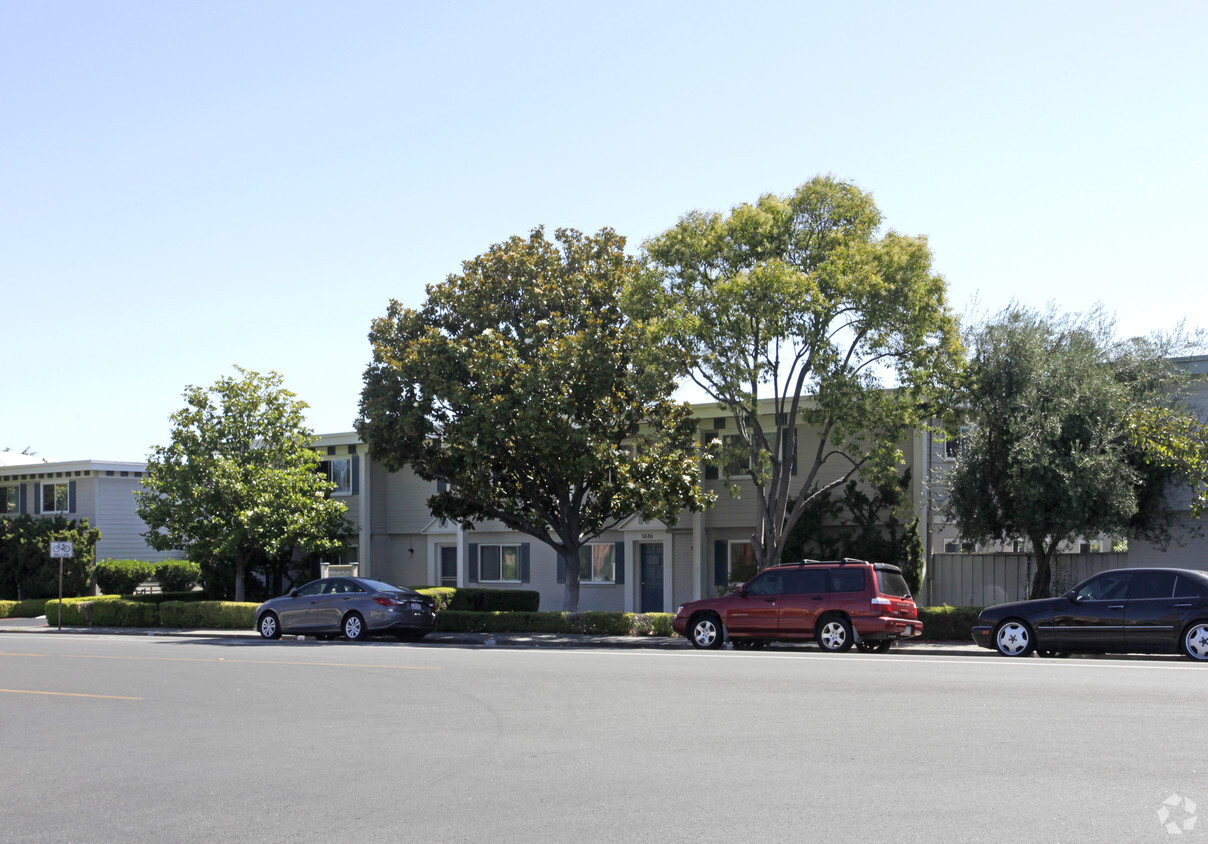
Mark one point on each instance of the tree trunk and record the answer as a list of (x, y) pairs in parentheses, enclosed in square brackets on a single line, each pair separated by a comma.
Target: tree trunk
[(1042, 580), (570, 600), (240, 566)]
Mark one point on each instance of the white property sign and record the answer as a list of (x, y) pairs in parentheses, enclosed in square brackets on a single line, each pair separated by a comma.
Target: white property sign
[(61, 550)]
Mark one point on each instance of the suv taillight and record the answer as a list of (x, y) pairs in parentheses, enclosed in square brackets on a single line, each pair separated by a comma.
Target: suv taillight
[(882, 606)]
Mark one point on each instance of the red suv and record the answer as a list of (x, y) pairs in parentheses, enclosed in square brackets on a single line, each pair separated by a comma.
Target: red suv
[(837, 603)]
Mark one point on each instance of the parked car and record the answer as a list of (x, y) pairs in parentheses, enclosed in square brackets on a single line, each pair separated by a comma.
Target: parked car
[(352, 607), (1117, 611), (838, 604)]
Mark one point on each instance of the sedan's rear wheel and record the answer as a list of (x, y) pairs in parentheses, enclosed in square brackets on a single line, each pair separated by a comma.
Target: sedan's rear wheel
[(1195, 641), (269, 627), (354, 627), (1014, 638), (704, 632)]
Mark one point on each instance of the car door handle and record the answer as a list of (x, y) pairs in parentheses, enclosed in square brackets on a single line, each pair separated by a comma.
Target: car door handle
[(1115, 606), (1183, 606)]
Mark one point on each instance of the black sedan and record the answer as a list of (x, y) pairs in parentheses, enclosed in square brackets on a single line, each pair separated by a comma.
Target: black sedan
[(352, 607), (1117, 611)]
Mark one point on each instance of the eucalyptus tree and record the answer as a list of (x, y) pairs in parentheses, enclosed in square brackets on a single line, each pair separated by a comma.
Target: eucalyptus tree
[(523, 389), (239, 482), (794, 311), (1072, 432)]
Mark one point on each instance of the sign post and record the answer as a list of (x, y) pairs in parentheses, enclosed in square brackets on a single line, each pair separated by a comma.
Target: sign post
[(61, 551)]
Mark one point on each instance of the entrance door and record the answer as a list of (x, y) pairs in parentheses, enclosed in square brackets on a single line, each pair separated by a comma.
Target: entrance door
[(448, 565), (650, 555)]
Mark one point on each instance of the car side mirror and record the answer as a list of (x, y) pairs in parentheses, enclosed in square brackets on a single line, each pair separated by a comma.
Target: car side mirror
[(743, 593), (293, 593), (1072, 597)]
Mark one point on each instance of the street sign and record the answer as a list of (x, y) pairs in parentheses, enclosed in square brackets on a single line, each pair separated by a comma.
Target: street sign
[(61, 550)]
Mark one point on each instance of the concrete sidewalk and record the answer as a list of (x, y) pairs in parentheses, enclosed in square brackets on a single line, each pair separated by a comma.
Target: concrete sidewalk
[(500, 640)]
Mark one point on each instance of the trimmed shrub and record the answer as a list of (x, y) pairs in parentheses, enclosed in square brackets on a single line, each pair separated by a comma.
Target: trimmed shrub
[(495, 600), (595, 623), (29, 608), (121, 577), (177, 575), (161, 597), (122, 613), (212, 615), (948, 624), (76, 612), (442, 595)]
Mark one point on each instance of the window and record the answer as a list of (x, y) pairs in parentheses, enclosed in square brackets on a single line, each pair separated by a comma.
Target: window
[(1152, 584), (498, 562), (1111, 586), (734, 453), (847, 580), (338, 470), (952, 546), (598, 563), (742, 558), (10, 499), (55, 497), (767, 583)]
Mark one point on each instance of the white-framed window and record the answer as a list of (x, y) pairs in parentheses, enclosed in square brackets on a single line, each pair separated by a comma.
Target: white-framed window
[(56, 497), (742, 556), (10, 499), (338, 470), (952, 546), (598, 563), (499, 563)]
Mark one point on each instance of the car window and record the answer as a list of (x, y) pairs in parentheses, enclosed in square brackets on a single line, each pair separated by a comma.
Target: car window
[(312, 588), (847, 580), (1190, 587), (804, 581), (1151, 584), (1111, 586), (892, 583), (767, 583)]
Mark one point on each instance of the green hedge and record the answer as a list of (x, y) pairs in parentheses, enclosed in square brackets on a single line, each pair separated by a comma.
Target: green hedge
[(208, 615), (596, 623), (473, 599), (76, 612), (948, 624), (123, 613), (121, 577), (162, 597), (29, 608), (177, 575)]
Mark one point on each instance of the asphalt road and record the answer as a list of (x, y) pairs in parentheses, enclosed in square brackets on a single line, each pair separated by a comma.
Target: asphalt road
[(112, 738)]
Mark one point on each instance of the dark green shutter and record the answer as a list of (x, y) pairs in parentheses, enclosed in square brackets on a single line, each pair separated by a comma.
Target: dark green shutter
[(37, 498), (720, 575), (71, 497), (356, 474), (472, 563), (24, 501), (524, 562), (710, 468), (620, 554)]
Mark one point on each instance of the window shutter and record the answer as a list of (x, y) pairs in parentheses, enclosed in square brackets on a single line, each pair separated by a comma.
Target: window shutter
[(710, 468), (37, 498), (561, 568), (472, 563), (719, 562), (524, 562), (71, 497), (356, 474), (24, 502), (620, 554)]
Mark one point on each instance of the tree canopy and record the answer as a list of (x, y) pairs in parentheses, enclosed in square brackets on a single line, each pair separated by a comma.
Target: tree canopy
[(522, 386), (239, 482), (794, 311), (1072, 433)]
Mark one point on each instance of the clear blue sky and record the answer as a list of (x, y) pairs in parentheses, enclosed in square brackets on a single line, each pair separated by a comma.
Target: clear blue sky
[(189, 186)]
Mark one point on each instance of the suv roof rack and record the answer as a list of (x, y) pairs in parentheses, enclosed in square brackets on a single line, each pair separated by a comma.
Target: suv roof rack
[(842, 562)]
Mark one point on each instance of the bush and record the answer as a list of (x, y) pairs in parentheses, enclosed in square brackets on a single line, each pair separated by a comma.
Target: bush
[(495, 600), (121, 577), (441, 595), (177, 575), (76, 612), (122, 613), (26, 568), (161, 597), (212, 615), (948, 624), (595, 623), (29, 608)]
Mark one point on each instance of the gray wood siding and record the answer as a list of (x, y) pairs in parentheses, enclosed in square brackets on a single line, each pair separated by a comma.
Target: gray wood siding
[(121, 528)]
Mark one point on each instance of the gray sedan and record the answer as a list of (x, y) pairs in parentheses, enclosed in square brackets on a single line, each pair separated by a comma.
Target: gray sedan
[(352, 607)]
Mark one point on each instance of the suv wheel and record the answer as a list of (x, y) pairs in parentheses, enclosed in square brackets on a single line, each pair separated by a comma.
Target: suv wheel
[(834, 634), (704, 632)]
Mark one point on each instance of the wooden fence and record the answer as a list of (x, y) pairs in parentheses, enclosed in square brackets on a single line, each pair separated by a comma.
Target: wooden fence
[(981, 580)]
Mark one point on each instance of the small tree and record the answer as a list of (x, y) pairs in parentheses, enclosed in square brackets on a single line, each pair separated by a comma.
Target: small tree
[(1073, 433), (524, 389), (240, 480), (26, 568)]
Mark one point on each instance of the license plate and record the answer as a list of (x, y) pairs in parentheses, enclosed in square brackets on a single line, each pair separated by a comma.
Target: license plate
[(909, 630)]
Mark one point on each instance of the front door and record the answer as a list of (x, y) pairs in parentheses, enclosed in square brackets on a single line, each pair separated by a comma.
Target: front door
[(650, 555), (448, 565)]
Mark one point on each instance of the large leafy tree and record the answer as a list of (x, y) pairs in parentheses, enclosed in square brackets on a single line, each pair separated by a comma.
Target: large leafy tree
[(794, 311), (523, 387), (1072, 432), (240, 483)]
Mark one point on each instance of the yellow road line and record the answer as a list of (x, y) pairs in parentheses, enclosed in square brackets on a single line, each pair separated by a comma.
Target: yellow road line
[(65, 694)]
